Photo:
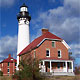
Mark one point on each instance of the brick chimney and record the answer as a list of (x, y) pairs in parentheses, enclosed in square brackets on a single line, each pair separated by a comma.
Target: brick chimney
[(9, 55), (44, 30)]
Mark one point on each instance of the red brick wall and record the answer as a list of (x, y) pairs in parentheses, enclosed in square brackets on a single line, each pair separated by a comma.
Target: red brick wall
[(5, 67), (41, 50)]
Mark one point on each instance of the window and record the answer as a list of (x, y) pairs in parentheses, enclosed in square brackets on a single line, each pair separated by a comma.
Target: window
[(2, 64), (70, 67), (41, 63), (47, 53), (11, 59), (8, 63), (15, 64), (34, 54), (8, 70), (53, 43), (59, 53), (15, 70), (58, 65)]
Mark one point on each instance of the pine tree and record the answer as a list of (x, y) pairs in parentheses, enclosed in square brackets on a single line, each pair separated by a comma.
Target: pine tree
[(29, 69)]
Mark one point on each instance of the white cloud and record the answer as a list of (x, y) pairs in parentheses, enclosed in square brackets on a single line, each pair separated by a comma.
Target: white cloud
[(72, 3), (75, 48), (63, 21), (6, 3), (8, 45)]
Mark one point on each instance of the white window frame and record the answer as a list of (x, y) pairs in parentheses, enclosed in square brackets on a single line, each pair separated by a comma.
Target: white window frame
[(9, 70), (60, 54), (54, 44), (49, 52), (0, 69), (2, 64)]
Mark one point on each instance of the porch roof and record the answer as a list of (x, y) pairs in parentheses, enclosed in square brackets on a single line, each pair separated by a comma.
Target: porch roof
[(55, 59)]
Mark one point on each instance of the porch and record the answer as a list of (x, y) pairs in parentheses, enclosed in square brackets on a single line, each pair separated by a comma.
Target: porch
[(57, 66)]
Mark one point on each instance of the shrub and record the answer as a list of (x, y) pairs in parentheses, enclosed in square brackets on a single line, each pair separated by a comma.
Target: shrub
[(1, 73), (77, 70), (29, 70)]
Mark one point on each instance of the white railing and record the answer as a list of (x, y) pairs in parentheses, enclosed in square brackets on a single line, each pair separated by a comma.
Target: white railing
[(69, 70), (61, 70), (42, 68), (0, 69), (57, 70)]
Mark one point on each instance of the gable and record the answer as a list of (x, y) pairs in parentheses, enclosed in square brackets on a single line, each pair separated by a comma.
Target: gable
[(66, 45), (38, 41), (47, 44)]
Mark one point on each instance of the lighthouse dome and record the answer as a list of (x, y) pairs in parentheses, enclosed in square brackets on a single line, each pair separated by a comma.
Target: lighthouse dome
[(23, 13), (23, 8)]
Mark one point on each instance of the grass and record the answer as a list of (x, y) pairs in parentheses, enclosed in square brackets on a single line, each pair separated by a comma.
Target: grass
[(5, 78), (77, 77)]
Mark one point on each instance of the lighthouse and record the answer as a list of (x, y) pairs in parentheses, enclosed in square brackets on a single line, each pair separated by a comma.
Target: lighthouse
[(23, 18)]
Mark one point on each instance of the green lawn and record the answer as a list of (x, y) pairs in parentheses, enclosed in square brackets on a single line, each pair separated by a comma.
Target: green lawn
[(5, 78), (77, 77), (64, 78)]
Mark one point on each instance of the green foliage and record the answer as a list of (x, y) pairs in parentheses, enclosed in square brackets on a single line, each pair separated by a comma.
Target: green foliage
[(29, 70), (1, 73), (77, 70)]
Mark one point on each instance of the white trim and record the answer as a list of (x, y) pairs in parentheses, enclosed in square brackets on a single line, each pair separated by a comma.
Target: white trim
[(72, 65), (2, 64), (47, 39), (41, 42), (58, 60), (49, 52), (50, 67), (43, 66), (66, 67), (66, 45), (0, 69)]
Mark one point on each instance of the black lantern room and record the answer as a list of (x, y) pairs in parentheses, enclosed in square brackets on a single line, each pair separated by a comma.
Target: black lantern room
[(23, 13)]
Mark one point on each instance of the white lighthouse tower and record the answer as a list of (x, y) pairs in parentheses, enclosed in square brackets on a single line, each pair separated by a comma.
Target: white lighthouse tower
[(23, 29)]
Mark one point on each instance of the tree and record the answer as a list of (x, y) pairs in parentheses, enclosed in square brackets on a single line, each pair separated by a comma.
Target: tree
[(77, 70), (29, 69), (1, 73)]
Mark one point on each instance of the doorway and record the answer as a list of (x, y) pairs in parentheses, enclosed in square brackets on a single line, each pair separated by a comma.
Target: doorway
[(47, 66)]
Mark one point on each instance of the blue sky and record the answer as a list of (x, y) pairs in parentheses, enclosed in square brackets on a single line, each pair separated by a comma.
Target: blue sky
[(61, 17)]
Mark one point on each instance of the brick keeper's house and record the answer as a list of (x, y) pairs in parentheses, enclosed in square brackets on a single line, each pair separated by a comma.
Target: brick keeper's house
[(53, 53), (8, 66)]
